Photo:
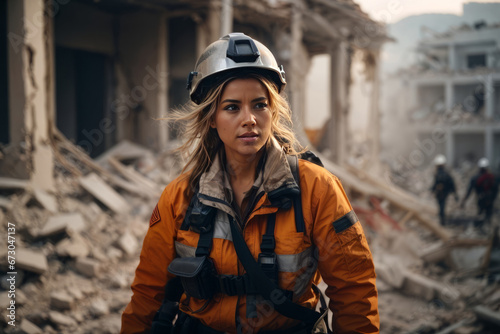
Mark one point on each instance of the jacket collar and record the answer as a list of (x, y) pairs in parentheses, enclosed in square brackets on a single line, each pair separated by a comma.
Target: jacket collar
[(274, 178)]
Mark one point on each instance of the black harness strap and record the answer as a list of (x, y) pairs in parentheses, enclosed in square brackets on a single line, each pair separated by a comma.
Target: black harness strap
[(293, 161), (268, 289), (267, 258), (268, 243), (205, 242)]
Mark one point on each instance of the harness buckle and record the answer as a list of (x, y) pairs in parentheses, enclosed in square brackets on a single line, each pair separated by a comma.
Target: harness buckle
[(268, 244), (269, 264)]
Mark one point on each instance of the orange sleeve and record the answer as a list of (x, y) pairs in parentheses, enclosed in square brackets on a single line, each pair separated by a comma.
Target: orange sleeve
[(344, 260), (151, 275)]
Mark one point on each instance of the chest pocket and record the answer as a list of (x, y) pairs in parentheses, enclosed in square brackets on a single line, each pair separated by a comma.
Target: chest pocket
[(350, 236)]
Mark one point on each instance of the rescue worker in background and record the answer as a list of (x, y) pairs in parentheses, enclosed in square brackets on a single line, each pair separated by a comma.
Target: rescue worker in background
[(238, 136), (443, 186), (486, 188)]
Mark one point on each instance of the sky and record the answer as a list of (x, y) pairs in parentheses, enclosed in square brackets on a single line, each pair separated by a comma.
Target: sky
[(391, 11)]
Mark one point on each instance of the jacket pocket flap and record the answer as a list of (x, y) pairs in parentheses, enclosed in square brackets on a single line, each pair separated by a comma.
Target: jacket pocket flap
[(186, 266)]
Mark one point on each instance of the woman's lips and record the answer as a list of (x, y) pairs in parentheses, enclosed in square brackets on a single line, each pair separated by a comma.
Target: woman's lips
[(248, 137)]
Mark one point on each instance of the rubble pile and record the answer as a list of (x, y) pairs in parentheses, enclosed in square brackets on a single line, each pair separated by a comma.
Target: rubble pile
[(77, 248)]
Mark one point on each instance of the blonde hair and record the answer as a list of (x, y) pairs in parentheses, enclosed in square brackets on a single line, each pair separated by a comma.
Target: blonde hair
[(202, 142)]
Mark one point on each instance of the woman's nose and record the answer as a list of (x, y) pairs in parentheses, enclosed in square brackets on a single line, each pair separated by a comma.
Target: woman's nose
[(248, 117)]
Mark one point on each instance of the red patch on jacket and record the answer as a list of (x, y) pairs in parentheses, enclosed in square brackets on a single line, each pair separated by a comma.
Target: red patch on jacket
[(155, 216)]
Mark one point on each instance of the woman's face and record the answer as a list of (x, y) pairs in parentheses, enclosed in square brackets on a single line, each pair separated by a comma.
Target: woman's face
[(243, 119)]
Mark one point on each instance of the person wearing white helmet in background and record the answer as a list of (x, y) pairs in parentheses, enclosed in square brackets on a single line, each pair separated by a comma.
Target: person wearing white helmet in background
[(486, 188), (443, 186)]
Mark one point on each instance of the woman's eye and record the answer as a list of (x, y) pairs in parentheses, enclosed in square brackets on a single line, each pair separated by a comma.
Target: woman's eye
[(261, 105), (231, 107)]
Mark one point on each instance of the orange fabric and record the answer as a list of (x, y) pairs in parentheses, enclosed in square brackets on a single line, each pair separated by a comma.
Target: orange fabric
[(344, 261)]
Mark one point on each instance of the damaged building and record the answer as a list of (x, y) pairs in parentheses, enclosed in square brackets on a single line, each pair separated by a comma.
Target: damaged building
[(99, 72), (454, 95), (84, 157)]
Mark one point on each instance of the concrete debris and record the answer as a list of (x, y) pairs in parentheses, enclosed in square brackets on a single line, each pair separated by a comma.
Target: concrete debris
[(87, 267), (27, 327), (78, 248), (61, 300), (104, 193), (31, 260), (128, 243), (4, 300), (74, 247), (61, 320), (99, 308), (62, 223), (488, 315), (468, 258), (46, 200), (9, 183)]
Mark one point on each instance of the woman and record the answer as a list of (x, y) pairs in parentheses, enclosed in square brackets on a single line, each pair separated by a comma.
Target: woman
[(241, 184)]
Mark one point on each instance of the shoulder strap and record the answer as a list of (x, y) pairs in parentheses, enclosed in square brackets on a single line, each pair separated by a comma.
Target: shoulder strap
[(293, 161), (268, 289)]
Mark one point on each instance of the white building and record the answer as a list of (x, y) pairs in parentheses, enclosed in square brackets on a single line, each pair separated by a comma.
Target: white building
[(453, 100)]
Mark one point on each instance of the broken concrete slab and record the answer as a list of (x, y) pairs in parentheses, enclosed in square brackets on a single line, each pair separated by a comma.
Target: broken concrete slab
[(87, 267), (420, 286), (73, 247), (61, 223), (436, 252), (91, 211), (98, 308), (4, 300), (487, 314), (9, 183), (391, 271), (60, 319), (128, 243), (27, 327), (5, 203), (104, 193), (468, 258), (31, 260), (61, 300), (124, 150), (45, 199)]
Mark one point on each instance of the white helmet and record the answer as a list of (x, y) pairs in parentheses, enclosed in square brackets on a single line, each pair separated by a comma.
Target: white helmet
[(483, 163), (439, 160), (231, 52)]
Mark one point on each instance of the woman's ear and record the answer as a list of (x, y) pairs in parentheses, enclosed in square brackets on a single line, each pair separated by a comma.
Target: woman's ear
[(212, 124)]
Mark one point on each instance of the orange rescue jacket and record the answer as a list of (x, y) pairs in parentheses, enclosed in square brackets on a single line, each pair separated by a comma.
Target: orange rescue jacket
[(331, 248)]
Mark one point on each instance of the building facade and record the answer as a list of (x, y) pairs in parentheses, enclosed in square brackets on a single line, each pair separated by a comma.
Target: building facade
[(454, 95), (98, 72)]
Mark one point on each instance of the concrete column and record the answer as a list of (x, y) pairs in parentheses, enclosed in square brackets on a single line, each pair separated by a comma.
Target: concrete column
[(489, 96), (214, 20), (450, 147), (16, 65), (163, 134), (452, 57), (413, 95), (226, 17), (295, 64), (449, 96), (338, 126), (375, 117), (30, 37), (488, 143)]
